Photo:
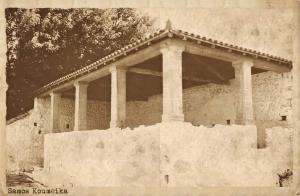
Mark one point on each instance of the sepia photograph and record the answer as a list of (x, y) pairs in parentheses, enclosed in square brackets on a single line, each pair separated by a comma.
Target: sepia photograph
[(182, 98)]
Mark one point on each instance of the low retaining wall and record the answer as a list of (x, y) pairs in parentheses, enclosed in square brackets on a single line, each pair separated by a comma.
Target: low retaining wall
[(166, 154), (25, 144)]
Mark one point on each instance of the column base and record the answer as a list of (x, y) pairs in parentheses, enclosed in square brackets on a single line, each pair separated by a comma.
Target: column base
[(172, 117), (115, 124), (80, 128)]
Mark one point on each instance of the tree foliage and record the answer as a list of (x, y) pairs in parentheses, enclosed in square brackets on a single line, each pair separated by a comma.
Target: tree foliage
[(45, 44)]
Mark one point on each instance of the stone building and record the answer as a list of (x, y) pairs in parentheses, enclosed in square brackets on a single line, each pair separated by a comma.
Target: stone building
[(170, 66), (170, 77)]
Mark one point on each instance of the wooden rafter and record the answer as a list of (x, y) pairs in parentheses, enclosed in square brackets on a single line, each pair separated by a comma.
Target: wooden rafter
[(212, 70)]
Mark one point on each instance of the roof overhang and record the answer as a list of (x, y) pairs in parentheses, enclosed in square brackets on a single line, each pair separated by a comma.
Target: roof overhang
[(149, 47)]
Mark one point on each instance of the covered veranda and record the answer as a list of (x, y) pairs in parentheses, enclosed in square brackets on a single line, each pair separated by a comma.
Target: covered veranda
[(164, 63)]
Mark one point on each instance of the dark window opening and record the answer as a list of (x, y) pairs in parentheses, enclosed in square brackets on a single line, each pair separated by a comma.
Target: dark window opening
[(35, 124), (67, 126), (283, 118), (228, 122), (167, 179)]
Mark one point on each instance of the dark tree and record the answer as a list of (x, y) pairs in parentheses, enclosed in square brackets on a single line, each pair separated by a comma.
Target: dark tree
[(45, 44)]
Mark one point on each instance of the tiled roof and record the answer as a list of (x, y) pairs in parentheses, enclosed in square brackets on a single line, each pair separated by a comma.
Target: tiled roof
[(155, 37), (21, 116)]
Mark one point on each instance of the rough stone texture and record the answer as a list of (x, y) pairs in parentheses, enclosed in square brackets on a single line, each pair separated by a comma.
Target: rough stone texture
[(202, 105), (268, 28), (98, 114), (25, 140), (100, 111), (167, 154), (25, 144), (144, 112), (215, 104), (272, 96), (272, 99), (42, 114)]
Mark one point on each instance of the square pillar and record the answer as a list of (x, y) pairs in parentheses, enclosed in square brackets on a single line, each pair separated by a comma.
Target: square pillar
[(36, 104), (55, 112), (172, 81), (80, 122), (118, 97), (243, 81)]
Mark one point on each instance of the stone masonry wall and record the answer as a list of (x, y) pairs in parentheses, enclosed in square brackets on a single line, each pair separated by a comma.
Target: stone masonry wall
[(203, 105), (25, 144), (25, 136), (272, 99), (215, 104), (98, 114)]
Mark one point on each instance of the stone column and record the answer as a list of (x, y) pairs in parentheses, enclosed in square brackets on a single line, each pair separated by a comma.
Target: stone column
[(118, 97), (55, 112), (243, 87), (80, 121), (37, 103), (172, 81)]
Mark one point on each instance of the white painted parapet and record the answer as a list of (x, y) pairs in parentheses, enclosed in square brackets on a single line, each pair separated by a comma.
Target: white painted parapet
[(167, 154)]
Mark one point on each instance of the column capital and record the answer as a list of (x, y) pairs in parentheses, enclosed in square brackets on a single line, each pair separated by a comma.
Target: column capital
[(114, 68), (81, 83), (172, 46), (54, 93), (242, 62)]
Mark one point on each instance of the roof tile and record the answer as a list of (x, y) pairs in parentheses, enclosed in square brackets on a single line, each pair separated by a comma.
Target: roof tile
[(147, 41)]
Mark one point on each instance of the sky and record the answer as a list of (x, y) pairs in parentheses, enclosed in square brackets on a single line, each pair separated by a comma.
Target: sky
[(265, 30)]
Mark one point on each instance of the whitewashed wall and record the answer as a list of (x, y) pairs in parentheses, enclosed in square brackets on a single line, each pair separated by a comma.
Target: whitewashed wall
[(170, 154), (203, 105)]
